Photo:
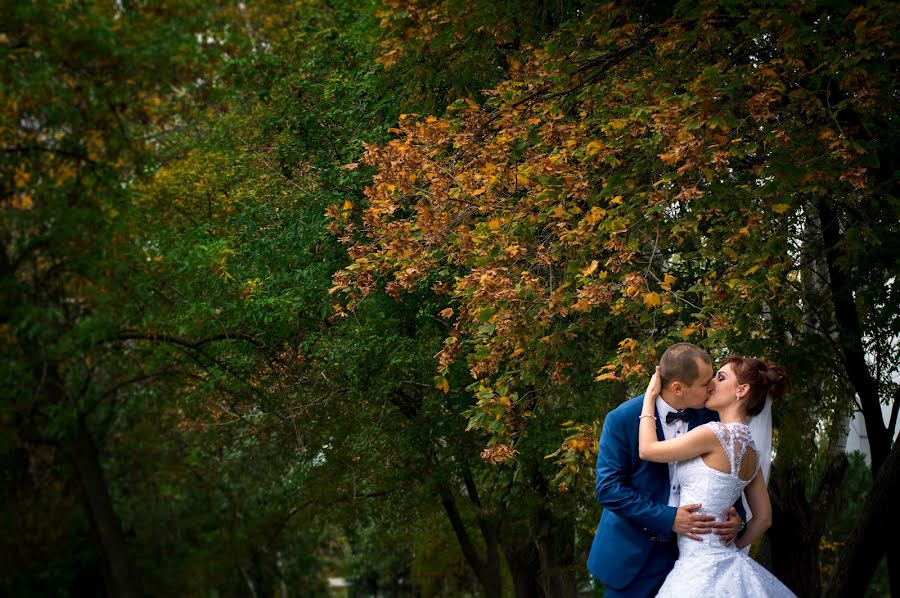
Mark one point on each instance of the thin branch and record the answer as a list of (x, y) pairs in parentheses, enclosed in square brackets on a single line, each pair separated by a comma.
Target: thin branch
[(29, 149), (895, 408)]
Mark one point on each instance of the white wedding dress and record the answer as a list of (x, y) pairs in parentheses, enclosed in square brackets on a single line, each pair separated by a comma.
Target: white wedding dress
[(709, 568)]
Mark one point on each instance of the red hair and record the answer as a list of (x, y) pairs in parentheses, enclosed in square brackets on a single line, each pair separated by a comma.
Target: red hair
[(763, 377)]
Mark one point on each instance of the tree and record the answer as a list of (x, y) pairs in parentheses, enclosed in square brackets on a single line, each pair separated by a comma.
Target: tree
[(183, 184), (88, 98), (651, 176)]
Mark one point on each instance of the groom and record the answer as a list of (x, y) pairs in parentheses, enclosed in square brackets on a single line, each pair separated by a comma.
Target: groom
[(634, 547)]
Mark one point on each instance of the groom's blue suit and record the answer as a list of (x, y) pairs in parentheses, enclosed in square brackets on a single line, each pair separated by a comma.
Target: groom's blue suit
[(634, 547)]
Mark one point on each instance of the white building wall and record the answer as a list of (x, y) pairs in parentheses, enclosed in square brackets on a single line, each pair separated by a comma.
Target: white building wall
[(857, 438)]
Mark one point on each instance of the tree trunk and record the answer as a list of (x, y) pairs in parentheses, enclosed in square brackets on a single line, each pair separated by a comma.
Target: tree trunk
[(850, 337), (799, 524), (541, 566), (523, 564), (487, 570), (795, 548), (279, 567), (877, 528), (556, 555), (249, 581), (853, 354), (118, 572)]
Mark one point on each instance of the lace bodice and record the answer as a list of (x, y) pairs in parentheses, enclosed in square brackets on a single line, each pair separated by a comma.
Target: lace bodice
[(715, 490)]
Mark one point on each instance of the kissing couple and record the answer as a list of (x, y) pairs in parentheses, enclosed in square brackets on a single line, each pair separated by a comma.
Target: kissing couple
[(672, 467)]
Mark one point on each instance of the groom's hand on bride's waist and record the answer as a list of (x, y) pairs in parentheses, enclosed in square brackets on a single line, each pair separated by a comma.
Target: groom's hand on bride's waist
[(728, 530), (691, 524)]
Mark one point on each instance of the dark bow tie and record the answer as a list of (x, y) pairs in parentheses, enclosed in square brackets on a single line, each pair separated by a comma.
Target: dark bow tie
[(673, 415)]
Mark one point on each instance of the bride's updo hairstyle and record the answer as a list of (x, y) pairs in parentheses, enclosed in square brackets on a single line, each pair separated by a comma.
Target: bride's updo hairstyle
[(763, 377)]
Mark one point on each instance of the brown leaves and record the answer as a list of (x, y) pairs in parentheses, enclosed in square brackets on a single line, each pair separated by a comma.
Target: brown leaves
[(557, 211), (499, 453)]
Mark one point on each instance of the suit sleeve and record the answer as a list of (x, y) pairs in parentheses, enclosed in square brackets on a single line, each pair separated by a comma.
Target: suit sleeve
[(613, 473), (739, 505)]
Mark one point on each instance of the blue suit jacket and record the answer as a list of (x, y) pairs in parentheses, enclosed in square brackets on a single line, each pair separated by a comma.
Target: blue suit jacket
[(634, 495)]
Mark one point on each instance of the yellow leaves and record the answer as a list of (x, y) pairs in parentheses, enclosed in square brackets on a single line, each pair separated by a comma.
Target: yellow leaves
[(560, 212), (615, 201), (446, 312), (21, 177), (348, 205), (442, 384), (582, 305), (578, 444), (618, 123), (471, 104), (514, 251), (751, 270), (351, 166), (606, 376), (671, 158), (594, 147), (222, 268), (667, 283), (652, 300), (494, 224), (553, 112), (781, 208), (251, 287), (594, 216), (607, 372), (478, 192), (688, 331), (22, 201), (516, 353), (590, 269), (628, 344), (388, 59), (94, 145), (522, 176), (431, 119), (489, 168)]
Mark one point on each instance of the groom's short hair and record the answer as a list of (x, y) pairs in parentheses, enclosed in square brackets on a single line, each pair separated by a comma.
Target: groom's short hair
[(679, 362)]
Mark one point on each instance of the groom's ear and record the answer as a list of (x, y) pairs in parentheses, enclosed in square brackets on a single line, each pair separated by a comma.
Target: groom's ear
[(677, 387)]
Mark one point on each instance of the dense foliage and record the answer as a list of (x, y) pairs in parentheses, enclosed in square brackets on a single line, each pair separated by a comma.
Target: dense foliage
[(310, 289)]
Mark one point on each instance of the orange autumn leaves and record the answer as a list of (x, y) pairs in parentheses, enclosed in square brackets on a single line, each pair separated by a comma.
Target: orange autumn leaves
[(556, 209), (503, 217)]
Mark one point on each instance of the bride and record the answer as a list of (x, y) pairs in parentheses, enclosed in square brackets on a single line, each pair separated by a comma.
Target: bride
[(716, 463)]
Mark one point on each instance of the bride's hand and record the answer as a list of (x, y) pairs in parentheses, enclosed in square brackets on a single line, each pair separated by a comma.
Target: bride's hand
[(654, 387)]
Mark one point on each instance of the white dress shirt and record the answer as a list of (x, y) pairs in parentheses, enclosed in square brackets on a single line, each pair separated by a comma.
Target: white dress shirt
[(670, 431)]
